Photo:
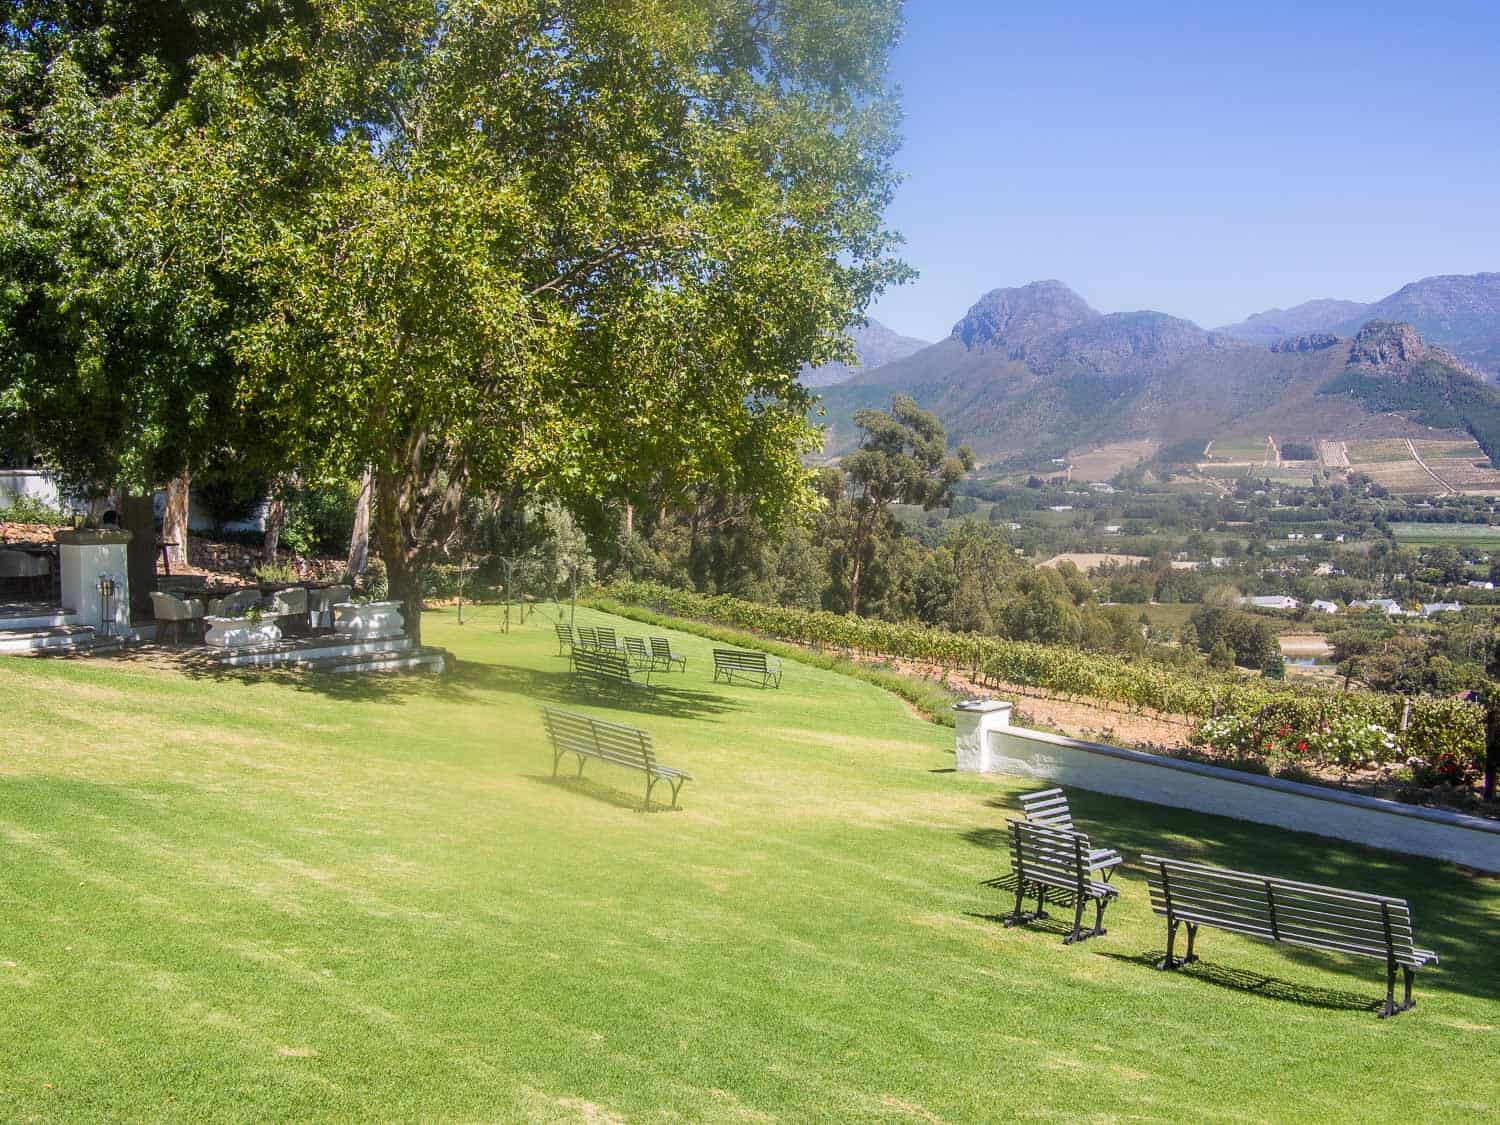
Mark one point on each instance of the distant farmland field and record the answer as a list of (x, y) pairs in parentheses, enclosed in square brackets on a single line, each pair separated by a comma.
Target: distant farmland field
[(1237, 449), (1446, 534)]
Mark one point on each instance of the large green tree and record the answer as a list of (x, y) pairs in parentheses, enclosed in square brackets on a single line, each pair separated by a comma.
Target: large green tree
[(571, 247), (117, 302)]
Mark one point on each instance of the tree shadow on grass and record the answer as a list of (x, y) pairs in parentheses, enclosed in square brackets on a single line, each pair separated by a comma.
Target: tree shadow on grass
[(1273, 988), (605, 794), (468, 681)]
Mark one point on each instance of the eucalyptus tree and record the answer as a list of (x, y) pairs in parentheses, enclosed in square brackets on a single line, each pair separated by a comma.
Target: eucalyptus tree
[(902, 458), (567, 247)]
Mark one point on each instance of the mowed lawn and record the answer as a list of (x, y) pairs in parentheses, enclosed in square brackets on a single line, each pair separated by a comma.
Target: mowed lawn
[(277, 897)]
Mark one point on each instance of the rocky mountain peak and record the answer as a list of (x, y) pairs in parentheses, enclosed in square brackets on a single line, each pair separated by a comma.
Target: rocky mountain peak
[(1388, 345), (1310, 342), (1016, 319)]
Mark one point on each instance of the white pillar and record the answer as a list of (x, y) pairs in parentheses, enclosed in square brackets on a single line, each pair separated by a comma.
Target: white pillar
[(83, 557), (973, 721)]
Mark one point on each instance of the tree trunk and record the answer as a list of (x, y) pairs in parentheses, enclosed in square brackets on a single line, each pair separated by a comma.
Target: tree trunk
[(174, 521), (137, 517), (275, 517), (1491, 744), (359, 539), (402, 570), (629, 521)]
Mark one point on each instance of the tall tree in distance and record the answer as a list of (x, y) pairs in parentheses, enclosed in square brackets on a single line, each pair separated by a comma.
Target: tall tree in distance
[(903, 458)]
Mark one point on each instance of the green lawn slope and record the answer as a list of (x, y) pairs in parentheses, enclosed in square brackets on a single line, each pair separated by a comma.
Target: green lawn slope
[(292, 897)]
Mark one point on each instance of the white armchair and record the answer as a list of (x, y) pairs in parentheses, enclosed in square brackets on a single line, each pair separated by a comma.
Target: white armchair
[(176, 613)]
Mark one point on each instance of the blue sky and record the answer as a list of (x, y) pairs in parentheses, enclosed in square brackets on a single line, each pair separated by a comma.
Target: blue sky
[(1208, 159)]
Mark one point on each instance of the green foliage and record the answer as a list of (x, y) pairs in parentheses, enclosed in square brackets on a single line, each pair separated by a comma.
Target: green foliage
[(1249, 638), (28, 509), (319, 518)]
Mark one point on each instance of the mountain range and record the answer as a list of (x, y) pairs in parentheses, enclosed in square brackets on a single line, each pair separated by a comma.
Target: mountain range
[(1036, 370), (874, 344), (1461, 312)]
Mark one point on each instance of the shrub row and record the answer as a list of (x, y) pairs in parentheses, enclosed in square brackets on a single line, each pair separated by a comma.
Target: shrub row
[(1434, 726)]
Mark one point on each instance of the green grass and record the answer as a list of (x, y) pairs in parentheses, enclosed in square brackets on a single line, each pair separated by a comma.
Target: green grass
[(1446, 534), (298, 897)]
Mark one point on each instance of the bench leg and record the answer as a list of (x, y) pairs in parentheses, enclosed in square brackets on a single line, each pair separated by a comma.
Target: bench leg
[(1170, 962), (1391, 1008), (1192, 930), (1077, 934)]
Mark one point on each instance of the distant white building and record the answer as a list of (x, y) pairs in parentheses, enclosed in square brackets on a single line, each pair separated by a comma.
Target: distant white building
[(1480, 585), (1113, 529), (1388, 606), (1432, 609), (1320, 606), (1273, 601), (1060, 508), (1218, 561)]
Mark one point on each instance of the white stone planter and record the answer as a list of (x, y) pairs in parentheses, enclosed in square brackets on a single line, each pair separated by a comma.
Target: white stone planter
[(368, 621), (239, 632)]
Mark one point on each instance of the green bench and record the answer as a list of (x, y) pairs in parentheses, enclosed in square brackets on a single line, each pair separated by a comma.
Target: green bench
[(731, 662), (613, 743), (1279, 910), (1042, 857), (664, 656), (607, 664)]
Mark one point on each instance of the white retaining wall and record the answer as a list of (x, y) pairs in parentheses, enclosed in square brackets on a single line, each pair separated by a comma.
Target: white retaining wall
[(38, 486), (1069, 762)]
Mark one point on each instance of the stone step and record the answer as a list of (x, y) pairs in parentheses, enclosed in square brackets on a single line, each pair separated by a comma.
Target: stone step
[(47, 640), (315, 653), (36, 618), (415, 660)]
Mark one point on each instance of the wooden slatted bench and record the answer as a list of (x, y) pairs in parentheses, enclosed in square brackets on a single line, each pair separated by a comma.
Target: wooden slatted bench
[(604, 637), (614, 743), (586, 638), (1279, 910), (1043, 857), (607, 664), (1050, 807), (730, 662), (565, 641)]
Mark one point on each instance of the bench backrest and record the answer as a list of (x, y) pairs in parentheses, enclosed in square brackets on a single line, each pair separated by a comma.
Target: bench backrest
[(586, 636), (605, 636), (747, 659), (1049, 806), (637, 648), (599, 738), (564, 633), (1041, 854), (660, 648), (602, 662), (1282, 910)]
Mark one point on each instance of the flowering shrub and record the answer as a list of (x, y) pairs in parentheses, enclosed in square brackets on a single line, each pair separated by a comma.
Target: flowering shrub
[(1353, 744)]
